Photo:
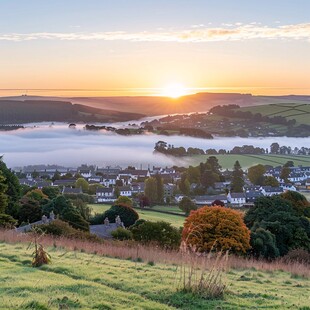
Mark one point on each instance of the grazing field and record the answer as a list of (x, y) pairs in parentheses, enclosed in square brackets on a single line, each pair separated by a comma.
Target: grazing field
[(298, 111), (149, 214), (78, 280), (246, 161)]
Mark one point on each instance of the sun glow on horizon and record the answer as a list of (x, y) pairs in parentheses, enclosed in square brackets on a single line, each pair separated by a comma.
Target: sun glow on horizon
[(174, 90)]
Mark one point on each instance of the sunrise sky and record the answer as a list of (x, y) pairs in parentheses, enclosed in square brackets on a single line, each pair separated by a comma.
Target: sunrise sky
[(98, 47)]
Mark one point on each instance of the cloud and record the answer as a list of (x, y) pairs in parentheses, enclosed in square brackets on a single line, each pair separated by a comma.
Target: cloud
[(196, 33)]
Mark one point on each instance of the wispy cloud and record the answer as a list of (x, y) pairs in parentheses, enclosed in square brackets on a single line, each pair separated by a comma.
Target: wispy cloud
[(197, 33)]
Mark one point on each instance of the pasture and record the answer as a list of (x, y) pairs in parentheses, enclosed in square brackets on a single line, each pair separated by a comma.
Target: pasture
[(149, 214), (77, 280), (227, 161)]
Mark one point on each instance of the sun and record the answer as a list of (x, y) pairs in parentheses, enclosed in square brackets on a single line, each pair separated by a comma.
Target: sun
[(174, 90)]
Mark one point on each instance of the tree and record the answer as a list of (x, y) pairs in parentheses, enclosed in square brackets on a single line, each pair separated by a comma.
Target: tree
[(83, 184), (30, 210), (216, 228), (256, 174), (92, 188), (143, 201), (127, 214), (160, 188), (278, 216), (7, 221), (117, 192), (285, 173), (13, 190), (271, 181), (217, 202), (275, 148), (124, 200), (299, 202), (150, 189), (162, 234), (289, 164), (184, 184), (186, 205), (193, 174), (51, 191), (3, 195), (237, 181), (37, 195)]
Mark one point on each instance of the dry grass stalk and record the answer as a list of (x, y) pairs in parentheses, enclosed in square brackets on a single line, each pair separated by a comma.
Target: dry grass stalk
[(125, 250)]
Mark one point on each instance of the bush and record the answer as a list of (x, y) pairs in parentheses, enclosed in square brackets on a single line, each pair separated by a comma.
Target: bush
[(159, 233), (299, 202), (127, 214), (216, 228), (297, 255), (186, 205), (122, 234), (61, 228), (124, 201), (7, 221)]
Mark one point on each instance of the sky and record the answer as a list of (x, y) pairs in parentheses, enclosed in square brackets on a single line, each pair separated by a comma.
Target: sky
[(121, 47)]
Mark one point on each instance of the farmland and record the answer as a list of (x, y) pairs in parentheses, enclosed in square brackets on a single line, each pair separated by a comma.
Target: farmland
[(87, 281), (227, 161), (149, 214)]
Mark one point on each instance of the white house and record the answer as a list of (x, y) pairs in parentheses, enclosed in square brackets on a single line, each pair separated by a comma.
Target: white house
[(125, 191), (236, 199), (270, 190), (105, 195)]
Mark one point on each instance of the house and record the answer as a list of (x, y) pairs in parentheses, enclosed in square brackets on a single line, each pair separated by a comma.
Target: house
[(169, 190), (109, 171), (135, 174), (68, 182), (207, 200), (125, 191), (178, 198), (138, 187), (95, 178), (105, 195), (126, 180), (236, 199), (252, 195), (109, 180), (288, 187), (270, 190), (85, 173), (70, 190)]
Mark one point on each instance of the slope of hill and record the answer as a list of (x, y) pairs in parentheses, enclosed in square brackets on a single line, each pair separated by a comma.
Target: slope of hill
[(155, 105), (15, 111), (89, 281)]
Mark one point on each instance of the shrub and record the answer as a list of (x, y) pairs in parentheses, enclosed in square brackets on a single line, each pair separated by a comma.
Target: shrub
[(122, 234), (216, 228), (7, 221), (297, 255), (127, 214), (124, 201), (61, 228), (162, 234), (186, 205)]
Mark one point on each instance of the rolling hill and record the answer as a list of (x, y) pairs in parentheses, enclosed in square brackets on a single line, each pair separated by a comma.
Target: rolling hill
[(26, 111)]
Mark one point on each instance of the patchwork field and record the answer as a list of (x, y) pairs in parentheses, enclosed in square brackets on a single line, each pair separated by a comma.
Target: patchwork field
[(150, 215), (78, 280), (299, 111), (246, 161)]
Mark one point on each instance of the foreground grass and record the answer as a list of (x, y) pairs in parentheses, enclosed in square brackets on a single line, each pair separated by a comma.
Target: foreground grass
[(149, 215), (78, 280)]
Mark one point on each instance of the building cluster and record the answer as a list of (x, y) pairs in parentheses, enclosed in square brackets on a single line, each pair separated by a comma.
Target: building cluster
[(126, 181)]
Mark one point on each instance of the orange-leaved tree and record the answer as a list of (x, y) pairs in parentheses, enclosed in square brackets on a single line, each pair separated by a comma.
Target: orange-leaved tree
[(216, 228)]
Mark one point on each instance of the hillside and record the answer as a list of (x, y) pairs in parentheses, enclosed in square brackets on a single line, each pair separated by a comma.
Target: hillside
[(90, 281), (15, 111), (156, 105)]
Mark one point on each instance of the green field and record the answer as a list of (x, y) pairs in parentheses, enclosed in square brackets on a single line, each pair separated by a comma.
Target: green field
[(78, 280), (299, 111), (246, 161), (149, 215)]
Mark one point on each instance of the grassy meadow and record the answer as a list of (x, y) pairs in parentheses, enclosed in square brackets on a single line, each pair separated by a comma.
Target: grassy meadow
[(77, 280), (299, 111), (246, 161), (149, 214)]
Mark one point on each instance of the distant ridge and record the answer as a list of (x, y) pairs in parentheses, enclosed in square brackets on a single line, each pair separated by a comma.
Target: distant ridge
[(27, 111)]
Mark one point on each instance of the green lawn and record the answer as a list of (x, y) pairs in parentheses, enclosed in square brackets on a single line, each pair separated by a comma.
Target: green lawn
[(246, 161), (298, 111), (78, 280), (149, 215)]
